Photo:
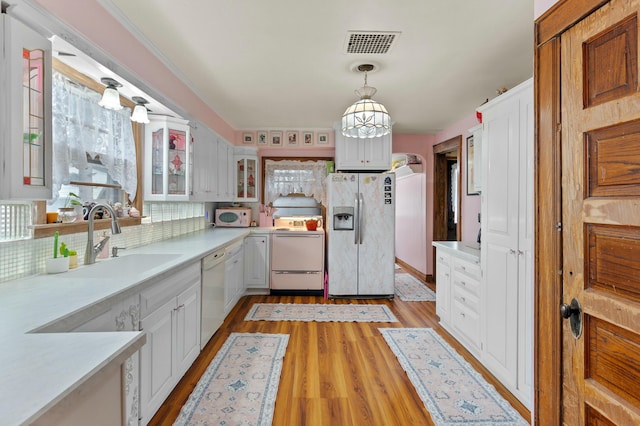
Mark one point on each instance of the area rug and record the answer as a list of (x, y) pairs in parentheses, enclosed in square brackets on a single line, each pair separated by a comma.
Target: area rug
[(452, 391), (409, 289), (319, 312), (240, 384)]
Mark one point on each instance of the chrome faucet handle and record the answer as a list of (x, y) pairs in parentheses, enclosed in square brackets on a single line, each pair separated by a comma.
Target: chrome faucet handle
[(115, 249), (100, 246)]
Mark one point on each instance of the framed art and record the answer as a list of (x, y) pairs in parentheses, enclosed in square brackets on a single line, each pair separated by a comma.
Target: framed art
[(307, 138), (247, 138), (262, 137), (292, 137), (276, 138), (323, 138), (470, 168)]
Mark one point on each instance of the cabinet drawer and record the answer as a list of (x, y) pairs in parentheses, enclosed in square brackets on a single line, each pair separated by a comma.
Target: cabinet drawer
[(297, 281), (443, 258), (465, 267), (465, 298), (466, 322), (156, 295), (471, 285)]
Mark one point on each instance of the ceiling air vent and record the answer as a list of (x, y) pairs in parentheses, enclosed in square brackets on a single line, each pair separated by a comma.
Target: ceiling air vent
[(370, 42)]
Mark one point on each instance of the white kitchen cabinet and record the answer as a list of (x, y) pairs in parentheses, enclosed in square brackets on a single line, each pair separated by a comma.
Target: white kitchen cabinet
[(122, 315), (25, 112), (246, 174), (507, 238), (363, 154), (256, 261), (168, 160), (170, 311), (205, 157), (233, 276), (224, 171), (443, 286), (476, 132), (459, 293)]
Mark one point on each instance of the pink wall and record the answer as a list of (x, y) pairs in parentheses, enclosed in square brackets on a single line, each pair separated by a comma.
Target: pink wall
[(95, 24)]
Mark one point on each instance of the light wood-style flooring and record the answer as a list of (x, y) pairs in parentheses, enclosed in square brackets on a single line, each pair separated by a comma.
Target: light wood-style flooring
[(334, 373)]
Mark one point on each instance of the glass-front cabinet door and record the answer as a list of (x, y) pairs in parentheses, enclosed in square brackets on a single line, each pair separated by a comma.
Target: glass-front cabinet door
[(25, 113), (168, 159), (246, 177)]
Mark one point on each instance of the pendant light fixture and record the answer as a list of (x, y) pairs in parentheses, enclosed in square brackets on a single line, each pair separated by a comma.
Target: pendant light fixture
[(139, 114), (366, 118), (110, 96)]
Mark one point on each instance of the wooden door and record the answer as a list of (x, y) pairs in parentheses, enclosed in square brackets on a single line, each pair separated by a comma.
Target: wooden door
[(601, 215)]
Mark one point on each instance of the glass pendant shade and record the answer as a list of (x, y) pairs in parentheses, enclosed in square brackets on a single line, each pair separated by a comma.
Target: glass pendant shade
[(140, 115), (366, 118), (110, 99)]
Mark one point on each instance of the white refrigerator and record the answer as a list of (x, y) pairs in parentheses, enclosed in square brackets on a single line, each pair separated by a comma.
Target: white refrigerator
[(361, 235)]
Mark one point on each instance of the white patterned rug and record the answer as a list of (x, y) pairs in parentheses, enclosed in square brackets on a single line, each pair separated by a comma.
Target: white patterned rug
[(452, 391), (240, 384), (409, 289), (320, 312)]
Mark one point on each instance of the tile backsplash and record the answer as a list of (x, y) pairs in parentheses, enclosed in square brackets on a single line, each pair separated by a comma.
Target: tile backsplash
[(27, 257)]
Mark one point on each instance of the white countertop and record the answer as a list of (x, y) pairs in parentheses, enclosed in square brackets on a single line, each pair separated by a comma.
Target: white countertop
[(470, 251), (39, 369)]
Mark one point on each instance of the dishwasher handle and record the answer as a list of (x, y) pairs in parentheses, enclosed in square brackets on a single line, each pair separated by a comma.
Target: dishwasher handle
[(210, 261)]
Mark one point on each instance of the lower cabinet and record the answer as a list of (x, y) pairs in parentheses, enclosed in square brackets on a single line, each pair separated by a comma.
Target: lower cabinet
[(458, 296), (233, 276), (256, 262), (123, 315), (170, 312)]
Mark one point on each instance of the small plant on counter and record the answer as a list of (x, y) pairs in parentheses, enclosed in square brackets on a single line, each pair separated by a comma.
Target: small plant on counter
[(72, 200)]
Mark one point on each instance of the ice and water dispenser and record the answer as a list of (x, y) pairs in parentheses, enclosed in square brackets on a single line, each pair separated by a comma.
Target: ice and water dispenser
[(343, 218)]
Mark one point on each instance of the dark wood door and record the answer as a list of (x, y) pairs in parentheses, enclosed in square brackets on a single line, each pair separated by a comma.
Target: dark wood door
[(601, 215)]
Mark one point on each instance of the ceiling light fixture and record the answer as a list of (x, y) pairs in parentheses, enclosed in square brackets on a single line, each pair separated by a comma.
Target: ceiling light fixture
[(110, 97), (366, 118), (139, 114)]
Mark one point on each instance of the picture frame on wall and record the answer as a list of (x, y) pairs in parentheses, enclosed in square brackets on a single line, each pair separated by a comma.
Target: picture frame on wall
[(470, 167), (262, 138), (307, 138), (323, 138), (247, 138), (292, 137), (276, 138)]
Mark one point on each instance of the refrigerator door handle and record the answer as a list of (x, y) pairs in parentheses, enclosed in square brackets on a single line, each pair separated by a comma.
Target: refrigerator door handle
[(356, 234), (360, 216)]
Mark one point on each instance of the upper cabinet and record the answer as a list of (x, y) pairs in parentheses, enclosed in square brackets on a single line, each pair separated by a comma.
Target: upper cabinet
[(168, 159), (246, 175), (25, 113), (363, 154), (212, 166)]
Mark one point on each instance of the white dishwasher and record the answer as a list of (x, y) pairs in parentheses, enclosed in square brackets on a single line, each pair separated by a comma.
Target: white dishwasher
[(212, 310)]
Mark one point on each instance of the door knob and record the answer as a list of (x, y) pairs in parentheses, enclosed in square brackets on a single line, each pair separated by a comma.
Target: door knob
[(573, 313)]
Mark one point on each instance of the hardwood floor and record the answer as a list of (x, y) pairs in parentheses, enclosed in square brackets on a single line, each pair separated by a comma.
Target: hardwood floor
[(333, 373)]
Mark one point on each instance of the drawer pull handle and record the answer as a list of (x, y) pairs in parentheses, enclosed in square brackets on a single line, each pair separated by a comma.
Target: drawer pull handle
[(462, 315), (463, 299), (463, 268), (463, 283)]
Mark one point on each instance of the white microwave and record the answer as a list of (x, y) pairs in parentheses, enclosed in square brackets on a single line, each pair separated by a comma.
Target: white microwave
[(239, 217)]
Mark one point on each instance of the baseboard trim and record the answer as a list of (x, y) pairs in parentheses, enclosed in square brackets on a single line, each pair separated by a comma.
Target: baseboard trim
[(413, 271)]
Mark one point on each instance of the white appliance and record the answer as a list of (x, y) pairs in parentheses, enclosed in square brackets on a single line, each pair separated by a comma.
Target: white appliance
[(361, 235), (238, 217), (297, 259), (212, 296)]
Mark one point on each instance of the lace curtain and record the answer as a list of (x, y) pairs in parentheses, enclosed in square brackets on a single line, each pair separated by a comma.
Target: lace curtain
[(85, 132), (292, 176)]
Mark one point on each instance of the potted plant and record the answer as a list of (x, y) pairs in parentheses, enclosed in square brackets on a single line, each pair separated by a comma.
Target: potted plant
[(69, 213), (56, 264)]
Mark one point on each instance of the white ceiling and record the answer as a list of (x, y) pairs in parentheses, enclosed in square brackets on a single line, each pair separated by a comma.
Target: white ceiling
[(282, 63)]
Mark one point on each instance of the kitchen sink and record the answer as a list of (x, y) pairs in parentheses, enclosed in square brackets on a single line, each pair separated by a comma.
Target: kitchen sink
[(125, 266)]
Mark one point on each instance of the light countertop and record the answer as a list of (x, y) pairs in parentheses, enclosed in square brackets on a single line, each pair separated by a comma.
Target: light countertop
[(467, 250), (40, 367)]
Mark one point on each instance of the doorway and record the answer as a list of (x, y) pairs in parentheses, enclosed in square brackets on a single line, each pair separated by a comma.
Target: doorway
[(447, 197)]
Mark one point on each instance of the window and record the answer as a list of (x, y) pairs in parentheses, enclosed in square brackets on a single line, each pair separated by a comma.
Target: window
[(94, 149), (284, 177)]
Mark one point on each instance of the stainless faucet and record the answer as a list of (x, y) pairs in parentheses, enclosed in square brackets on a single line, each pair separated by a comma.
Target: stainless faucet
[(92, 251)]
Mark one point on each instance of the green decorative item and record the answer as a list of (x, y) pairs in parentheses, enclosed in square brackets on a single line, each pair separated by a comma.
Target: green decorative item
[(55, 245)]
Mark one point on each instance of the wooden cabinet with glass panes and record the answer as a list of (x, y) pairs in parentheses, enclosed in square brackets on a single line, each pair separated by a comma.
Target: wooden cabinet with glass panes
[(168, 159), (246, 174), (25, 112)]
